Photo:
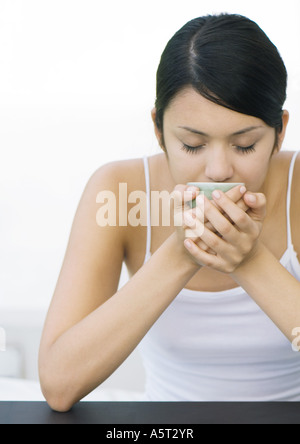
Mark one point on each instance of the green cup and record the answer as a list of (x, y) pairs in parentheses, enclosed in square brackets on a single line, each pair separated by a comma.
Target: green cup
[(208, 187)]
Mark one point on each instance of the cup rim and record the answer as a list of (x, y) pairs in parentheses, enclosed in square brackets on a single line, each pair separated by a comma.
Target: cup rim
[(216, 183)]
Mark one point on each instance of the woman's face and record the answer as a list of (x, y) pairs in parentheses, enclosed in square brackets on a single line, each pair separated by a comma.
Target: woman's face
[(205, 142)]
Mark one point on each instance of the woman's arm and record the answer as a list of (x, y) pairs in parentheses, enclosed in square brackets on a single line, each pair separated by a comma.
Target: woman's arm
[(91, 328), (273, 288), (269, 284)]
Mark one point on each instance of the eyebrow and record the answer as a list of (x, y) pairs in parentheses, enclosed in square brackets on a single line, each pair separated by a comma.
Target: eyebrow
[(238, 133)]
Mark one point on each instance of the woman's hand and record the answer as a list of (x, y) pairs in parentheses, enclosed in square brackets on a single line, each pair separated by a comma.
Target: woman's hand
[(190, 215), (235, 233), (185, 218)]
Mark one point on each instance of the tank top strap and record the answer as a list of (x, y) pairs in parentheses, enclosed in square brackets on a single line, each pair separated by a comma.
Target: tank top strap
[(148, 194), (288, 200)]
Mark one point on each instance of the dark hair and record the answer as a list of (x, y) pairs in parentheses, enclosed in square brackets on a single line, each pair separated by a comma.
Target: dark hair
[(230, 61)]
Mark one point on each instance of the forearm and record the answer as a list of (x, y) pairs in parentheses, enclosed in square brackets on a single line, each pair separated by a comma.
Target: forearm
[(89, 352), (273, 288)]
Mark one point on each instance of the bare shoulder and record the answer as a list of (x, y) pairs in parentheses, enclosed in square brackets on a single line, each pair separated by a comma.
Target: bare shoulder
[(295, 206), (131, 172), (279, 171), (107, 182), (276, 189), (277, 180), (128, 171), (106, 187), (282, 163), (282, 169), (282, 160)]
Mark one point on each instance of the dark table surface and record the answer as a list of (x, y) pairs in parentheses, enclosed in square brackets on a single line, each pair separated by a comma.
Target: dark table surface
[(152, 413)]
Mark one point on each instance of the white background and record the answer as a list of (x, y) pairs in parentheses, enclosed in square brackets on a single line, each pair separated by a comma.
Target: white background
[(77, 84)]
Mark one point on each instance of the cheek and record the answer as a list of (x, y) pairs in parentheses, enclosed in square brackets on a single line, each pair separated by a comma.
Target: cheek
[(185, 167), (253, 173), (181, 170)]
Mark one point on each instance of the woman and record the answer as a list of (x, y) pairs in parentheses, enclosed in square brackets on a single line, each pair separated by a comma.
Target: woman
[(215, 314)]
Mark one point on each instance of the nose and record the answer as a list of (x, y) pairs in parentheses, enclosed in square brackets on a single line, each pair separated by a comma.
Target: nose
[(218, 166)]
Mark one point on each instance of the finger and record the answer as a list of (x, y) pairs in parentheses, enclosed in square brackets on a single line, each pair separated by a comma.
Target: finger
[(179, 199), (221, 225), (189, 220), (204, 247), (257, 204), (193, 219), (216, 219), (202, 257), (183, 194), (239, 217), (195, 231), (214, 241), (242, 205), (200, 214), (235, 194)]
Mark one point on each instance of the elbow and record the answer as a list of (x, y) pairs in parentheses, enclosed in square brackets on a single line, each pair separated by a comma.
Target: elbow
[(57, 393), (58, 400), (62, 388), (56, 390), (59, 405)]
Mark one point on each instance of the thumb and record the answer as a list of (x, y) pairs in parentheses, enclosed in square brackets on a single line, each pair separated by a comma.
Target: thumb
[(257, 204)]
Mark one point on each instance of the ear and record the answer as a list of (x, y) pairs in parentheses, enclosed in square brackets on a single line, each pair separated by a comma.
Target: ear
[(158, 132), (281, 135)]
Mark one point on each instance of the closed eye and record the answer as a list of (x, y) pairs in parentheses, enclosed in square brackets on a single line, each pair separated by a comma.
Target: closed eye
[(246, 149), (192, 149), (240, 149)]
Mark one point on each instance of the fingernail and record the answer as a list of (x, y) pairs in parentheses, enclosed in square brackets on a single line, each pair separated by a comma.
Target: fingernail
[(251, 198), (188, 244), (189, 220), (216, 194), (200, 200), (243, 190), (192, 189)]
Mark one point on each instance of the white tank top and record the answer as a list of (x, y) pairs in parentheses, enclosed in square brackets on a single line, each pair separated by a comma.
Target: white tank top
[(220, 346)]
